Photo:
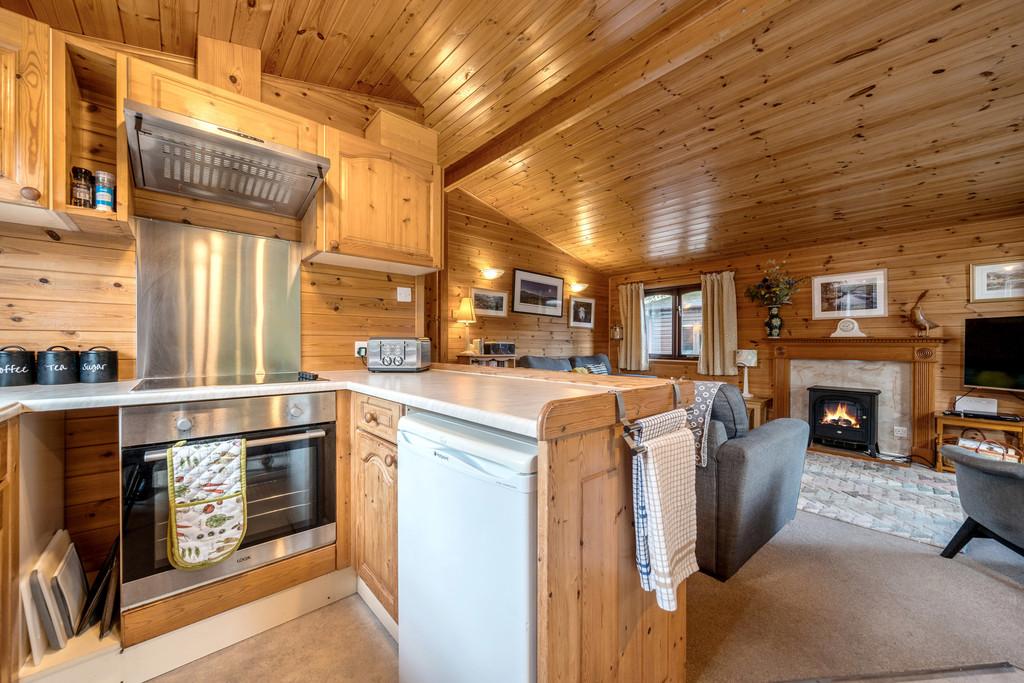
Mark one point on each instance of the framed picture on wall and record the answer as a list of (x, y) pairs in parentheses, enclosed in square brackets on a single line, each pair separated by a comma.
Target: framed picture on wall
[(581, 312), (850, 295), (488, 303), (537, 294), (997, 281)]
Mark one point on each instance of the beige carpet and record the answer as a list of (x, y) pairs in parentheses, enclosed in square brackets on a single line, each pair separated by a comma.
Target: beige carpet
[(826, 598)]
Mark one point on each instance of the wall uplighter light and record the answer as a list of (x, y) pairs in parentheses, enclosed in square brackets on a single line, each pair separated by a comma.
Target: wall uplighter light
[(491, 273)]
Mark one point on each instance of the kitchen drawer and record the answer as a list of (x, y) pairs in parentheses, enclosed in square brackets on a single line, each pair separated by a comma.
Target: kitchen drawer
[(376, 416)]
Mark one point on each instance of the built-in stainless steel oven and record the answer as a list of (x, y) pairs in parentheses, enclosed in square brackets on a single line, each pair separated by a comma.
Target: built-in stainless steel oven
[(290, 482)]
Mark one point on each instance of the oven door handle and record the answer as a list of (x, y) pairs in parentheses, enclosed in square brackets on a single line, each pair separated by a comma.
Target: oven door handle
[(157, 456)]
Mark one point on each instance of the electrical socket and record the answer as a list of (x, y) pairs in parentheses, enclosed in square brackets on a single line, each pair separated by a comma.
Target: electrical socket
[(361, 349), (900, 432)]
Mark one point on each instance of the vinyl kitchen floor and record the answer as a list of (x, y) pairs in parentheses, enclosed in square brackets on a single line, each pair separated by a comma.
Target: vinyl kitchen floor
[(340, 642)]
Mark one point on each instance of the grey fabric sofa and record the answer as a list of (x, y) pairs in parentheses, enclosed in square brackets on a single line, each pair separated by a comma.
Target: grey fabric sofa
[(750, 487), (564, 364), (992, 493)]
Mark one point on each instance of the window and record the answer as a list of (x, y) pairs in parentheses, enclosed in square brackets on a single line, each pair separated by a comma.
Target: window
[(674, 322)]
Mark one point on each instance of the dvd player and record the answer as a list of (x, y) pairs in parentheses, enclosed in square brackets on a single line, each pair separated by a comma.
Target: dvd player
[(1002, 417)]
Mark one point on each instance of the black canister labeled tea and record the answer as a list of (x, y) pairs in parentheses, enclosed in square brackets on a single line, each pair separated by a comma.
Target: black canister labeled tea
[(57, 365), (17, 366), (98, 364)]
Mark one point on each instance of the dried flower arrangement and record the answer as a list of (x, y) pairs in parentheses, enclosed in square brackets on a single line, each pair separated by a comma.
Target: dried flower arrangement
[(776, 287)]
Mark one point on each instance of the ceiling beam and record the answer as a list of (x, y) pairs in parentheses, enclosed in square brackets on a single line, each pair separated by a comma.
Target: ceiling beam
[(680, 42)]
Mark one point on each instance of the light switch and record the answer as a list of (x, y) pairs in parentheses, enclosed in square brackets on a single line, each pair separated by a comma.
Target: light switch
[(404, 294)]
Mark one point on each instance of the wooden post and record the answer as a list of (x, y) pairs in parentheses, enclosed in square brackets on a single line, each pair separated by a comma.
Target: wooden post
[(229, 66)]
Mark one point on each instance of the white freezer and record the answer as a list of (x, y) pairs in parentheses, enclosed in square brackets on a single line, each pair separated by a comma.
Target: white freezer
[(467, 553)]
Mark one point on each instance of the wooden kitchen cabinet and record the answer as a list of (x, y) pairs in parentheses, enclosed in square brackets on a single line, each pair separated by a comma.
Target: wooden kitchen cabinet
[(24, 117), (375, 512), (381, 209), (88, 84)]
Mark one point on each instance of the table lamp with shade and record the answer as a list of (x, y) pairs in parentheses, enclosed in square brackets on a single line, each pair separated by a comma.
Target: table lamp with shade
[(746, 358), (467, 317)]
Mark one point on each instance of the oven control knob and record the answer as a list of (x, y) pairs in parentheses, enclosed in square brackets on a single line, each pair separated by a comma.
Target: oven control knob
[(184, 424), (295, 411)]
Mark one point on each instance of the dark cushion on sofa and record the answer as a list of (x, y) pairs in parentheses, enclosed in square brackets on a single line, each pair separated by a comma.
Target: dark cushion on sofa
[(545, 363), (730, 409), (596, 359)]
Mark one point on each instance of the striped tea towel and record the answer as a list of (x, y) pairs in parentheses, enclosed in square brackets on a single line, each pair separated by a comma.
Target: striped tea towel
[(207, 516), (664, 505), (699, 416)]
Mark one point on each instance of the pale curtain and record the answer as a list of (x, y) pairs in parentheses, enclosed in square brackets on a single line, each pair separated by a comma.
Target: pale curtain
[(718, 350), (633, 347)]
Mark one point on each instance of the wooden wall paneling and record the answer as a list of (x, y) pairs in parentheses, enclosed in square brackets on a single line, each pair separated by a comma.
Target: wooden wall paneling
[(229, 66), (68, 288), (479, 237), (92, 482), (341, 306), (936, 259)]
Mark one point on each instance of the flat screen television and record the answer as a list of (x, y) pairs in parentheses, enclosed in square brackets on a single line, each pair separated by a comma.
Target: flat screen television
[(994, 353)]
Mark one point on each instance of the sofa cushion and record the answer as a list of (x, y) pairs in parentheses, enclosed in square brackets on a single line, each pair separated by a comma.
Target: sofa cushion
[(588, 361), (545, 363), (730, 409)]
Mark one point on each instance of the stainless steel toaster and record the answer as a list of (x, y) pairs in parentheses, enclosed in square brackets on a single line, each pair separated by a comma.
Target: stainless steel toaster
[(398, 354)]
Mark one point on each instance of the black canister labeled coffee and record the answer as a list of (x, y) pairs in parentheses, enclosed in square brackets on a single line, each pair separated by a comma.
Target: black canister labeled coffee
[(98, 364), (57, 365), (17, 366)]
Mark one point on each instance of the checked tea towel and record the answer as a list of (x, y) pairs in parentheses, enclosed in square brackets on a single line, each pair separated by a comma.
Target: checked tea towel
[(664, 504), (207, 517)]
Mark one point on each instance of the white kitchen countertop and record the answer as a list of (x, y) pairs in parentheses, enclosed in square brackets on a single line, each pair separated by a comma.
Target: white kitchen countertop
[(509, 403)]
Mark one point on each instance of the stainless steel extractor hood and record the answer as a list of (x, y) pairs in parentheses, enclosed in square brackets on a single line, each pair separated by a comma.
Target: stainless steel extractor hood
[(184, 156)]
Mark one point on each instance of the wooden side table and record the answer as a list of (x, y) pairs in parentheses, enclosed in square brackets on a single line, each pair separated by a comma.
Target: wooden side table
[(757, 410), (1013, 429), (494, 361)]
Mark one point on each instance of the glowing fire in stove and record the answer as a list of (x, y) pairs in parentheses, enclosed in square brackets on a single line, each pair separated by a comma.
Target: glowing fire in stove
[(840, 416)]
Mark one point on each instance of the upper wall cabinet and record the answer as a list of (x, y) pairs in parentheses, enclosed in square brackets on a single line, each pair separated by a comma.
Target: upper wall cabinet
[(381, 209), (24, 120), (88, 131), (159, 87)]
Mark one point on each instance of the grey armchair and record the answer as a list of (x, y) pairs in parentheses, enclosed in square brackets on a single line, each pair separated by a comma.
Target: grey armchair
[(992, 493), (750, 487)]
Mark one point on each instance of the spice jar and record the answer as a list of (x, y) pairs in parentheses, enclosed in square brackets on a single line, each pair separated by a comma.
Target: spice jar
[(81, 187), (104, 191)]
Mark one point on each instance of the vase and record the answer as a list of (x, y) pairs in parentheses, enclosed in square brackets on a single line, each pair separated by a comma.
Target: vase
[(773, 323)]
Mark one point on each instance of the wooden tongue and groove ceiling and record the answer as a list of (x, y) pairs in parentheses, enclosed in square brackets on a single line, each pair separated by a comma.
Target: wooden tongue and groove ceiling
[(639, 133)]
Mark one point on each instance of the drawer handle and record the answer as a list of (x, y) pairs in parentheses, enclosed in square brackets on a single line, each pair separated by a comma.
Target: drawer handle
[(370, 418)]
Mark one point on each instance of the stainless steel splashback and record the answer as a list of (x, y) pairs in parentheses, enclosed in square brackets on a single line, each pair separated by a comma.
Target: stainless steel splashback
[(214, 303)]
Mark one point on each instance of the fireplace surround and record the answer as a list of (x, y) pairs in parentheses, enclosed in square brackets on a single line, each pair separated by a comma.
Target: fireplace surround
[(844, 418)]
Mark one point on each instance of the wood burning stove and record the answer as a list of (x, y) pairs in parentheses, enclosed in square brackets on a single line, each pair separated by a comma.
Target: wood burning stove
[(844, 418)]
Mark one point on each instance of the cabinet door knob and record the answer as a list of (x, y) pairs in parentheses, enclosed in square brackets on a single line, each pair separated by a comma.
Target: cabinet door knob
[(30, 194), (390, 460), (334, 245)]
